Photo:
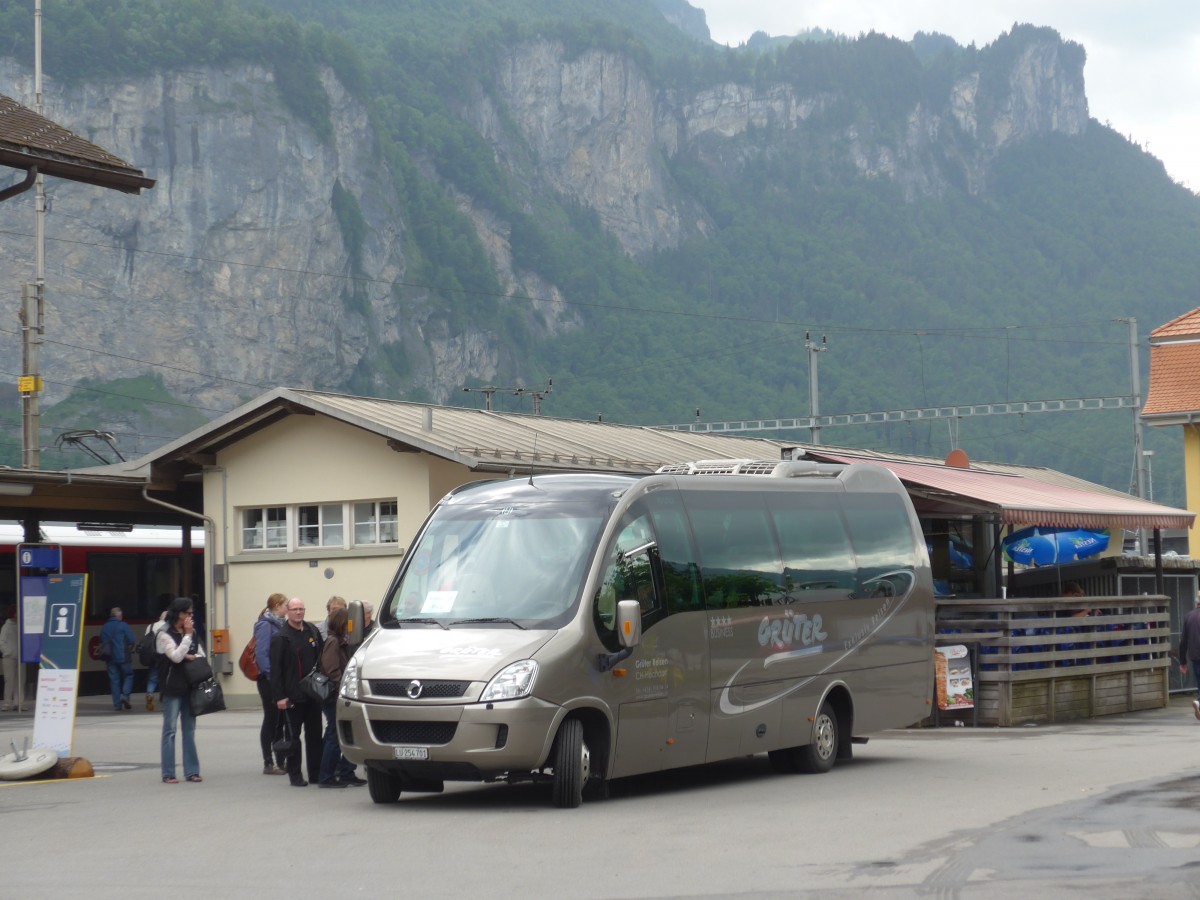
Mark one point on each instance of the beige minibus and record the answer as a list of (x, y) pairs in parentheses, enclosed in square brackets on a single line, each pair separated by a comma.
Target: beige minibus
[(578, 628)]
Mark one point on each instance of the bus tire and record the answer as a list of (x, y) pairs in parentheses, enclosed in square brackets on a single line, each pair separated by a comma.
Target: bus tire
[(572, 765), (383, 786), (820, 753)]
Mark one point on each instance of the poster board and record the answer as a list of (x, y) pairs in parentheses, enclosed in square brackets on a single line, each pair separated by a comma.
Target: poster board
[(955, 683), (58, 675)]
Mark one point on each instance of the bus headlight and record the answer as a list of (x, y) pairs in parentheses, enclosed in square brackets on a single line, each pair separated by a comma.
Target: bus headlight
[(511, 683), (349, 688)]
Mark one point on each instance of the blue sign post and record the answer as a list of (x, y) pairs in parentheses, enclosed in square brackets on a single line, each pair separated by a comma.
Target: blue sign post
[(34, 563)]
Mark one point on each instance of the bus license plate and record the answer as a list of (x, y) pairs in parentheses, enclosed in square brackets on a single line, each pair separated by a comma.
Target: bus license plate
[(411, 752)]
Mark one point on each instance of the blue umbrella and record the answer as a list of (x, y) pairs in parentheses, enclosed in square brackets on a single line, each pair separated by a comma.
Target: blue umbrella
[(1046, 546)]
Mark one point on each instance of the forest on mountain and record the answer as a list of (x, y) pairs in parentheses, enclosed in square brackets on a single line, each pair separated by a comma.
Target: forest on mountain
[(1017, 292)]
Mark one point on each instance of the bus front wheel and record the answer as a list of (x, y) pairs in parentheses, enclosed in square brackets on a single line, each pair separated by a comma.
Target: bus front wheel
[(572, 765), (383, 786)]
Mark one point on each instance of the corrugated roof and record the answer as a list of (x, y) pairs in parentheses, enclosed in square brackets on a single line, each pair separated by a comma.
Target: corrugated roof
[(29, 140), (1020, 499), (487, 441)]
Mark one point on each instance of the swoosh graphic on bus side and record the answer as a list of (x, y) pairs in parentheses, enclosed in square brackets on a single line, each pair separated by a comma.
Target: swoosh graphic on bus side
[(792, 654), (729, 708)]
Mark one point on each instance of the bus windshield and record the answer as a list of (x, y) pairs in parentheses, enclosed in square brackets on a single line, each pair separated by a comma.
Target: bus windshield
[(514, 565)]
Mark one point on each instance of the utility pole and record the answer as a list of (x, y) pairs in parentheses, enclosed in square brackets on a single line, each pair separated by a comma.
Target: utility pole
[(33, 297), (813, 348), (1139, 458)]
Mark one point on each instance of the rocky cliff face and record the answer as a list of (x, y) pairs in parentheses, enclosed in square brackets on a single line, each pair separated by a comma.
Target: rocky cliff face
[(232, 275)]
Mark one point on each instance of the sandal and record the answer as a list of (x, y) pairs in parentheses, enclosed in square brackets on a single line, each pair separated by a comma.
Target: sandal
[(170, 781), (194, 778)]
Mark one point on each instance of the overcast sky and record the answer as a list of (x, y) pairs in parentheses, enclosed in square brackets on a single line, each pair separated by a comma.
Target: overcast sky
[(1143, 59)]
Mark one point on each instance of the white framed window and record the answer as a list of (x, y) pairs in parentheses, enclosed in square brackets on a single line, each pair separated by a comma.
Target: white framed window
[(265, 528), (304, 526), (375, 522), (320, 525)]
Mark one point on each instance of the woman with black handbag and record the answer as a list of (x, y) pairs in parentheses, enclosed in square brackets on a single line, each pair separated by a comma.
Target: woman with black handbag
[(178, 646), (336, 770)]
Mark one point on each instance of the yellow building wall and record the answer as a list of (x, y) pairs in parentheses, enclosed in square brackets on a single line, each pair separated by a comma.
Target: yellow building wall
[(309, 460), (1191, 478)]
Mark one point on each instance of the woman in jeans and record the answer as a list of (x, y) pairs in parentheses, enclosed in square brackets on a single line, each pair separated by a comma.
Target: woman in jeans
[(267, 626), (336, 770), (177, 644)]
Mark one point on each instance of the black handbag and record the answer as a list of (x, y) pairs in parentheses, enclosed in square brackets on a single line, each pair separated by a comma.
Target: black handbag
[(206, 697), (196, 671), (283, 734), (316, 685)]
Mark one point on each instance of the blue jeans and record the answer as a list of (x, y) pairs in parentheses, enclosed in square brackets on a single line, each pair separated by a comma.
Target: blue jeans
[(120, 681), (176, 707), (333, 764)]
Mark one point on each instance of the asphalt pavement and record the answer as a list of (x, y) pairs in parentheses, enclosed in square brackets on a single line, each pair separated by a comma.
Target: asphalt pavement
[(1100, 808)]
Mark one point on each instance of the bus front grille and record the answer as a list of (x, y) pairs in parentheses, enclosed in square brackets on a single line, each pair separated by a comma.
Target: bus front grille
[(413, 732), (433, 690)]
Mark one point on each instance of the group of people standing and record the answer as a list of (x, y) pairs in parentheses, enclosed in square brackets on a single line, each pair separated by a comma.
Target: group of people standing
[(287, 648)]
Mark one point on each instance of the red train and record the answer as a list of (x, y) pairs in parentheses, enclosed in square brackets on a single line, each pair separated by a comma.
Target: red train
[(138, 570)]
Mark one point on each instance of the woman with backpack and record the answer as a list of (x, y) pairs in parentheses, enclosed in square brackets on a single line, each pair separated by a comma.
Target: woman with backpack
[(147, 652), (269, 622), (178, 644)]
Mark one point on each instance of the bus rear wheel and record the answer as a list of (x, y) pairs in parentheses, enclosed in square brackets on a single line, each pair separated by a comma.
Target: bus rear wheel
[(814, 757), (384, 787), (572, 765), (819, 754)]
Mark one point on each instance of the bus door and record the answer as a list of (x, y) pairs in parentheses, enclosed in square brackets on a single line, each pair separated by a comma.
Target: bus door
[(753, 632), (662, 708)]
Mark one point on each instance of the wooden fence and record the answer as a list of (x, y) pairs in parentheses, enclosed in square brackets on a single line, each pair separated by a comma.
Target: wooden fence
[(1038, 661)]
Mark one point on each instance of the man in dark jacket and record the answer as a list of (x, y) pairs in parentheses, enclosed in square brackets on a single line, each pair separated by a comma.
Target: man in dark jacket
[(295, 649), (1189, 651), (117, 634)]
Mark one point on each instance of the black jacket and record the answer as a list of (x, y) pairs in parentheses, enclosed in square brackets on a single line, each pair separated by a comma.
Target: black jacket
[(293, 655)]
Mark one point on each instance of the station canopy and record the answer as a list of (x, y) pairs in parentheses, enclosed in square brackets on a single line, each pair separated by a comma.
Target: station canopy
[(1018, 495)]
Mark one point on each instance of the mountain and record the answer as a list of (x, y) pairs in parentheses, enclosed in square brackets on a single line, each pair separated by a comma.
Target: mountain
[(405, 200)]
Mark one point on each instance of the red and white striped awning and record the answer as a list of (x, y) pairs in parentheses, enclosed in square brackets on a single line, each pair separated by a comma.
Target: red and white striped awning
[(1021, 499)]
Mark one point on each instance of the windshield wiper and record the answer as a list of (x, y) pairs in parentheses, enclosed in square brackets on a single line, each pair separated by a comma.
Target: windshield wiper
[(487, 621), (423, 622)]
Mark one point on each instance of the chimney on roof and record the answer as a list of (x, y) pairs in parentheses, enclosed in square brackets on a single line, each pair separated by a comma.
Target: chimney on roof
[(958, 459), (427, 424)]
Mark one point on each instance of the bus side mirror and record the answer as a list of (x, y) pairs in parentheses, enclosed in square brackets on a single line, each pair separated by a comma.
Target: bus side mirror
[(629, 623), (354, 623)]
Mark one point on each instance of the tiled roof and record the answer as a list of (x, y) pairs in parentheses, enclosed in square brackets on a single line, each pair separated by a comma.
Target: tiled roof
[(28, 140), (1174, 379), (1185, 326)]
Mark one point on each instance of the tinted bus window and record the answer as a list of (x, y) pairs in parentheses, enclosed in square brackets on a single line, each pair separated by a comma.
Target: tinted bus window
[(816, 549), (626, 578), (681, 575), (739, 557), (883, 543)]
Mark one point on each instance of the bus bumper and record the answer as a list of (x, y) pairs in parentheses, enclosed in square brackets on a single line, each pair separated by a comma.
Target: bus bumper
[(467, 742)]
